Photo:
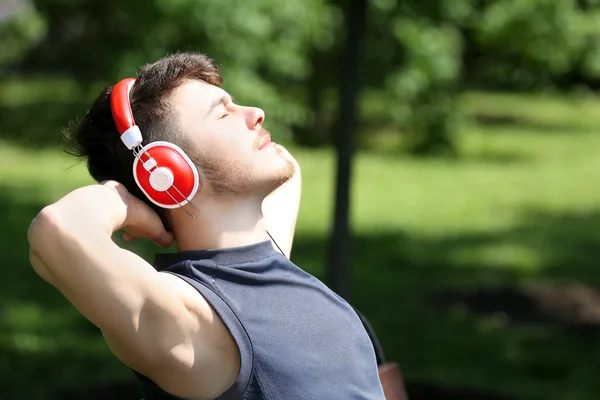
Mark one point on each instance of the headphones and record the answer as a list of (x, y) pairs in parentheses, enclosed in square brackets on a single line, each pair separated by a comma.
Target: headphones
[(161, 169)]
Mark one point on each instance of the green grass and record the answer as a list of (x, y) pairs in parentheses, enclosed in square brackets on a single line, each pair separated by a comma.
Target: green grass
[(520, 206)]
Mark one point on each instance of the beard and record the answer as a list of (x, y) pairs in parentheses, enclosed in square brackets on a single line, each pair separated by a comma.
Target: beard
[(229, 178)]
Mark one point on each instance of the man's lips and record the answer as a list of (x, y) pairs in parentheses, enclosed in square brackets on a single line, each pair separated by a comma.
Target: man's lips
[(265, 142)]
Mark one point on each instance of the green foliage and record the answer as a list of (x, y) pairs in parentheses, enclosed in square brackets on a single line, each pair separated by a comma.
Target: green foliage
[(284, 55), (256, 43), (590, 65), (537, 40), (416, 56), (19, 33), (422, 88), (439, 48)]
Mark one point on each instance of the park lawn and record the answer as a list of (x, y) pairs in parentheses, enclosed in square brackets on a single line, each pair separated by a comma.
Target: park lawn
[(519, 207)]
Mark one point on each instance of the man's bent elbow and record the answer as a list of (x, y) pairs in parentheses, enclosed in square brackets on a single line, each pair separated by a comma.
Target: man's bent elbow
[(43, 233), (41, 229), (40, 233)]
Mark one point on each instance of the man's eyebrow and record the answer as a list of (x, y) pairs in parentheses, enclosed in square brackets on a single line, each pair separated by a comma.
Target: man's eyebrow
[(219, 101)]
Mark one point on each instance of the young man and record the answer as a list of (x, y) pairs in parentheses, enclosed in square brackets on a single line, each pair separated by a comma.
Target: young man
[(227, 316)]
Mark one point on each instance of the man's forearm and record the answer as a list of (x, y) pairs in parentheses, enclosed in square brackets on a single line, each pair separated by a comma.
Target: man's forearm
[(280, 210), (90, 210)]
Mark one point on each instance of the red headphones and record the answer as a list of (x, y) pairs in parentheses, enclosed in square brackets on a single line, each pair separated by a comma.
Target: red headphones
[(162, 170)]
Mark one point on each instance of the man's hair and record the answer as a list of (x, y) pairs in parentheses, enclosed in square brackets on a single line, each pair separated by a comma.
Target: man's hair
[(97, 139)]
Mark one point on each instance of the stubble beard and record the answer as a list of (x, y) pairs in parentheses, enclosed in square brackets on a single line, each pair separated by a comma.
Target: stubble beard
[(230, 179)]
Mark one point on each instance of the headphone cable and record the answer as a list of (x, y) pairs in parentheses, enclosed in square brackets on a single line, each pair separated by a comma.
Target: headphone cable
[(268, 233)]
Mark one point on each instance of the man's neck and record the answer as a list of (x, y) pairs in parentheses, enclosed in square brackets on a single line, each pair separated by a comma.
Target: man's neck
[(221, 223)]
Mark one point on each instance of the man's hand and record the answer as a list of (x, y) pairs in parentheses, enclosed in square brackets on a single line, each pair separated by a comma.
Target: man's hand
[(141, 221)]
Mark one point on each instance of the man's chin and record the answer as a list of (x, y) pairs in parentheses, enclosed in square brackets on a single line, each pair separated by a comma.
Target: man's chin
[(279, 179)]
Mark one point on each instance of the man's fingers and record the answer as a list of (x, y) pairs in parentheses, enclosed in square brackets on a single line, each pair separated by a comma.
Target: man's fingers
[(141, 221), (156, 230), (166, 239), (148, 221)]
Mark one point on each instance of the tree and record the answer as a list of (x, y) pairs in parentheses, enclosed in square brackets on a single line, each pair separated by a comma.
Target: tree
[(338, 267)]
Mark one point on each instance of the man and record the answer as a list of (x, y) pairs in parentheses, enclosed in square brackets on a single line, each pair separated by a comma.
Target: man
[(227, 316)]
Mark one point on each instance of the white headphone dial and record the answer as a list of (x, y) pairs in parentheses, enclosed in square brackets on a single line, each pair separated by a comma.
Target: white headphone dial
[(161, 179)]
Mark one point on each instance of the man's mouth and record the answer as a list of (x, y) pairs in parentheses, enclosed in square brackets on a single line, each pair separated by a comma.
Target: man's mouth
[(266, 142)]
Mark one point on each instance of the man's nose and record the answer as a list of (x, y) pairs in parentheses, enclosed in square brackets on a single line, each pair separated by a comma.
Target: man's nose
[(255, 117)]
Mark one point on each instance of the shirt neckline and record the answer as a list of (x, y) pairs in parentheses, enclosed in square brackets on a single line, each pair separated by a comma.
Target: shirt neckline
[(227, 255)]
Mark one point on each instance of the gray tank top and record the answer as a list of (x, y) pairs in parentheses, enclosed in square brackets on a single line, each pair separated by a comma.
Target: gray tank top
[(297, 338)]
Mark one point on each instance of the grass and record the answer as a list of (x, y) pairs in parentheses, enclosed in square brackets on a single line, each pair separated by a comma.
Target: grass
[(521, 206)]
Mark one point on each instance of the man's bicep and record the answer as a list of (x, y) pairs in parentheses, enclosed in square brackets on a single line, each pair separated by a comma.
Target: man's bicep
[(118, 291)]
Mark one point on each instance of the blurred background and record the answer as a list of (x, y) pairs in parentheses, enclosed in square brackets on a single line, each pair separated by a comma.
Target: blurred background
[(474, 206)]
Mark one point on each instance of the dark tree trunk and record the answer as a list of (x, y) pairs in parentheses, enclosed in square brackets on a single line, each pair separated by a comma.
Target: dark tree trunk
[(338, 274)]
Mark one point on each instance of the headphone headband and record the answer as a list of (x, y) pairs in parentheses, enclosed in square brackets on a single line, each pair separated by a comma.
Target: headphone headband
[(120, 106)]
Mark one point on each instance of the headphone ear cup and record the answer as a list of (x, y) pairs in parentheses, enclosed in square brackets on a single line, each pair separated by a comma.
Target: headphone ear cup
[(170, 161)]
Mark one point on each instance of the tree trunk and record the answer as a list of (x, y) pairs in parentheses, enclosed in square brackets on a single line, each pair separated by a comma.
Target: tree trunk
[(338, 274)]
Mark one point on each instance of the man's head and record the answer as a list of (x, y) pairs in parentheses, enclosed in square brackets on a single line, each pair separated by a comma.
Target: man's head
[(179, 99)]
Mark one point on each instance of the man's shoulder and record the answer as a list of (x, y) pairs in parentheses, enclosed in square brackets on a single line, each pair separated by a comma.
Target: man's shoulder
[(208, 363)]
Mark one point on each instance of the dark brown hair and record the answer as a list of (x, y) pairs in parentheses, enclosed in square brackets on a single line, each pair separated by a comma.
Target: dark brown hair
[(97, 140)]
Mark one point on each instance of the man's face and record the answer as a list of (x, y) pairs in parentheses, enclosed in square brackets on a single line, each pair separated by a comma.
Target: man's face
[(234, 153)]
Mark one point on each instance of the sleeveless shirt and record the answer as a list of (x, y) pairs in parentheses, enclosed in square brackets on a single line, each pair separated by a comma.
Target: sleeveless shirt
[(297, 339)]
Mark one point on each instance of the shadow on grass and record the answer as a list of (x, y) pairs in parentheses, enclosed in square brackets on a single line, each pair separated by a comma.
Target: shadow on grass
[(496, 157), (445, 351), (511, 121), (564, 291), (497, 340)]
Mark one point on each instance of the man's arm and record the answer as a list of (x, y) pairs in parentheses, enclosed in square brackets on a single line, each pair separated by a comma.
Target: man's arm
[(153, 322), (280, 208)]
